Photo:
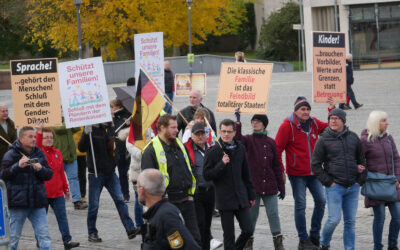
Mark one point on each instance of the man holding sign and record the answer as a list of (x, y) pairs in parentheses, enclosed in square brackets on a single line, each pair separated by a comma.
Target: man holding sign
[(297, 136)]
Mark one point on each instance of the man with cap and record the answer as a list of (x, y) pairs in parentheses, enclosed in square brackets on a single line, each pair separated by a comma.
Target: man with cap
[(297, 136), (338, 162), (204, 198), (266, 174)]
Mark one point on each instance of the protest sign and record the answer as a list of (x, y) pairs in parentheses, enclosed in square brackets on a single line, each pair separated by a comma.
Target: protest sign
[(244, 86), (35, 93), (184, 84), (149, 53), (329, 67), (84, 92)]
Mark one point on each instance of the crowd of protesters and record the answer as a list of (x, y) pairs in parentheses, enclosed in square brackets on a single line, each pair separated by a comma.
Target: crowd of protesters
[(182, 182)]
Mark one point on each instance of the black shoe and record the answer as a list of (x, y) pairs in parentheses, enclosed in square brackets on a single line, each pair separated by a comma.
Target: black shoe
[(347, 106), (70, 244), (323, 247), (132, 233), (306, 245), (79, 205), (94, 238), (314, 240), (392, 248), (359, 106), (126, 198)]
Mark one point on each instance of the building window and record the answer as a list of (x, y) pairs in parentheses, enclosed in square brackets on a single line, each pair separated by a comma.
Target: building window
[(375, 35)]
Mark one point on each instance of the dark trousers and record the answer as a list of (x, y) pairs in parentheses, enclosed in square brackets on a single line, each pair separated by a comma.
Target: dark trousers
[(243, 217), (82, 174), (204, 202), (189, 215), (352, 96), (123, 167), (58, 206)]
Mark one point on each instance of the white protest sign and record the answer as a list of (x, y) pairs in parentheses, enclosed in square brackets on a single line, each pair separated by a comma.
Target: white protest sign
[(149, 53), (84, 95)]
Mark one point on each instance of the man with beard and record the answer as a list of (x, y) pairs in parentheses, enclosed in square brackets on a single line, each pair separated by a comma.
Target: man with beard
[(164, 228), (166, 153), (7, 130)]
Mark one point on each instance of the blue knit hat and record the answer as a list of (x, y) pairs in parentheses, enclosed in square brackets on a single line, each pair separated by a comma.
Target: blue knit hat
[(300, 102)]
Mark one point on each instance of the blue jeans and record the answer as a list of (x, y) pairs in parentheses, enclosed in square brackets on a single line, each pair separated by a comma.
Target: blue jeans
[(123, 167), (58, 206), (96, 185), (168, 107), (379, 220), (271, 208), (38, 218), (340, 198), (138, 211), (299, 185), (71, 169)]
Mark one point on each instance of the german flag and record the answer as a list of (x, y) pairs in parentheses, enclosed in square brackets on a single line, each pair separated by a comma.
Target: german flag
[(148, 105)]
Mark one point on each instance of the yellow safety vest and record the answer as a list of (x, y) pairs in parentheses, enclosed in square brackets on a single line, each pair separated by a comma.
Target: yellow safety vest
[(162, 161)]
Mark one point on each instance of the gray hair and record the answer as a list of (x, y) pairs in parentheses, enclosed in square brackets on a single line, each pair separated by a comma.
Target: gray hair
[(198, 93), (349, 56), (373, 124), (152, 181)]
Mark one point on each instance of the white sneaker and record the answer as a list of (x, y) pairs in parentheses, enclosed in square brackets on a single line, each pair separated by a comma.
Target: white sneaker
[(214, 244)]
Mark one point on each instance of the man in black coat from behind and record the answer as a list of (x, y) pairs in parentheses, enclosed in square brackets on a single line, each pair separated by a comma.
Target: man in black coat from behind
[(226, 165)]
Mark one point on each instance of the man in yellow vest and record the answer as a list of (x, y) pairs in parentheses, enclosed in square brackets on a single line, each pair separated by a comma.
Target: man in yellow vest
[(166, 153)]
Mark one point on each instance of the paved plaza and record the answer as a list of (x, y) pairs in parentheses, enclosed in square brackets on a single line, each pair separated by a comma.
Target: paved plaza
[(377, 90)]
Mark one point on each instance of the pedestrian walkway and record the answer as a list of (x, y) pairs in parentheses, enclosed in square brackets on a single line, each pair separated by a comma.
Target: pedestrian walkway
[(376, 89)]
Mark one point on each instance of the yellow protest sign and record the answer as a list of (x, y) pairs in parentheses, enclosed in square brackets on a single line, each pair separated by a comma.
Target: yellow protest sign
[(35, 93), (244, 86)]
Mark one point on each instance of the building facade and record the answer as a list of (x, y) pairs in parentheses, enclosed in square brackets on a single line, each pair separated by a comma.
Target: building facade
[(372, 29)]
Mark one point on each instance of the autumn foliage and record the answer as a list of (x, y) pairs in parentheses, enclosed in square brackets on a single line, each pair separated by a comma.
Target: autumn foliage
[(109, 24)]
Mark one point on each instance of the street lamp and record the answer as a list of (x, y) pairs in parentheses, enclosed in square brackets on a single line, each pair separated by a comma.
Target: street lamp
[(190, 56), (78, 17)]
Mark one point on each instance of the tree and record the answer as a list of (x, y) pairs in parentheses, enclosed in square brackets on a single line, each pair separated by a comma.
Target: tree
[(111, 24), (277, 38)]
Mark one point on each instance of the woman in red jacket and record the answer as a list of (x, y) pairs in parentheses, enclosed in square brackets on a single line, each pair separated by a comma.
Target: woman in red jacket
[(57, 187)]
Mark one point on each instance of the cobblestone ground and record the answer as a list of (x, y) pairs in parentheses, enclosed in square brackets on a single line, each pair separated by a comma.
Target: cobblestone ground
[(377, 90)]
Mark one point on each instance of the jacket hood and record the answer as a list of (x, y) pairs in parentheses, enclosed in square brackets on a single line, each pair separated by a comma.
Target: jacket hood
[(17, 146)]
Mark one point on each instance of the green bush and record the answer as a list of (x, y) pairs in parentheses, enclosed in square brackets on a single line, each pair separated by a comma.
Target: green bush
[(278, 40)]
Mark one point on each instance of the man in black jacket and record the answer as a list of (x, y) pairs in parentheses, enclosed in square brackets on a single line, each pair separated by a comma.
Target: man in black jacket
[(168, 86), (226, 165), (24, 168), (103, 147), (164, 228), (166, 153), (338, 162), (195, 99)]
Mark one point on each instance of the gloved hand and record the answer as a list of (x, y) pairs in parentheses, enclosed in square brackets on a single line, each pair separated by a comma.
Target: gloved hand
[(281, 195), (237, 114), (88, 129)]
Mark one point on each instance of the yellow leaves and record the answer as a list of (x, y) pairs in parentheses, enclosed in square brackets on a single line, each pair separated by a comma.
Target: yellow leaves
[(112, 23)]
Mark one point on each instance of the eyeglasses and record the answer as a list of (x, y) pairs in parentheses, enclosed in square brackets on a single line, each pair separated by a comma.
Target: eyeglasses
[(226, 131), (334, 118), (48, 138)]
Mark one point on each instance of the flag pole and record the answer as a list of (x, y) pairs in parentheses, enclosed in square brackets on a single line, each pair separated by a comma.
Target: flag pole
[(9, 143), (164, 94)]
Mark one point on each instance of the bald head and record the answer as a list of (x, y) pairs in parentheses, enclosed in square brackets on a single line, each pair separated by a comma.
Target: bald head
[(152, 181), (167, 65), (195, 98), (3, 112)]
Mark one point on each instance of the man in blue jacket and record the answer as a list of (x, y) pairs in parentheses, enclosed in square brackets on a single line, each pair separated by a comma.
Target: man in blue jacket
[(24, 169)]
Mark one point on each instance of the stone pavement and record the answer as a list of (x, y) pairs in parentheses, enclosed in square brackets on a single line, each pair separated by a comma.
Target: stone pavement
[(377, 90)]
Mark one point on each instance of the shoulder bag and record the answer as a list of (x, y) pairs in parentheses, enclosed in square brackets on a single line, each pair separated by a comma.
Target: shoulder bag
[(380, 186)]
